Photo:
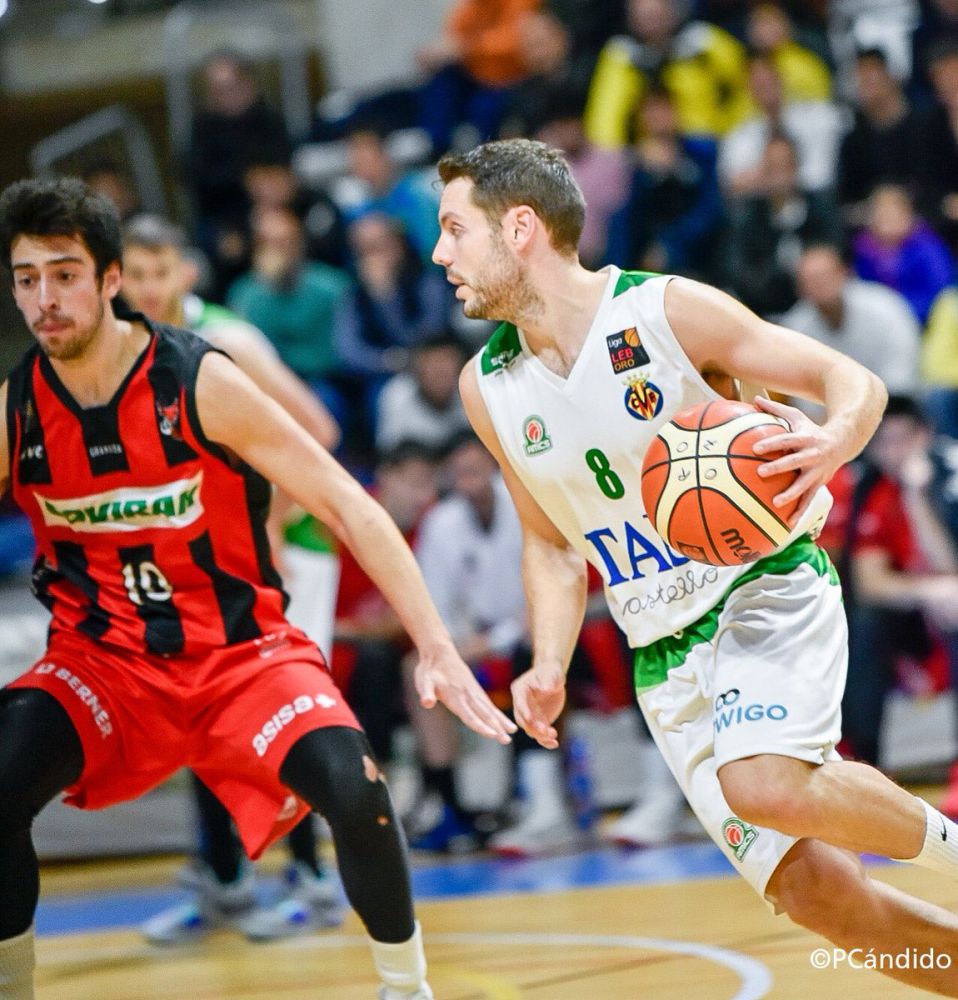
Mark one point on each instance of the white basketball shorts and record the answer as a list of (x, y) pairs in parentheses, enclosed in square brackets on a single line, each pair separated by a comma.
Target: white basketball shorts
[(770, 681)]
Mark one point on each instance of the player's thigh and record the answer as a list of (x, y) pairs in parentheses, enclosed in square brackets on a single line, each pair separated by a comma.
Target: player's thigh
[(250, 723), (780, 662), (255, 723), (679, 717), (40, 751)]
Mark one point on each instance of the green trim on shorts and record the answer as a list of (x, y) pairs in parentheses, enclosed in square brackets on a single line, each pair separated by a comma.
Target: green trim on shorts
[(653, 662)]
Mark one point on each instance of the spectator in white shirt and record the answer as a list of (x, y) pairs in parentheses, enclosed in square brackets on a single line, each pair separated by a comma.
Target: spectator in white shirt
[(865, 320), (813, 126), (469, 548), (422, 403)]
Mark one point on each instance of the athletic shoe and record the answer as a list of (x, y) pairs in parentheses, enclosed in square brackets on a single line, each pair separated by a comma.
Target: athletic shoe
[(312, 902), (453, 834), (214, 906), (423, 993), (537, 834), (180, 924), (190, 876), (657, 820)]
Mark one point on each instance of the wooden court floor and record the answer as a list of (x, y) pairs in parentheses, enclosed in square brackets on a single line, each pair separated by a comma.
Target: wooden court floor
[(710, 939)]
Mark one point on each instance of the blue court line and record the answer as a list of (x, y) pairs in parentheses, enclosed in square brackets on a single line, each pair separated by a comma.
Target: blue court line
[(66, 914)]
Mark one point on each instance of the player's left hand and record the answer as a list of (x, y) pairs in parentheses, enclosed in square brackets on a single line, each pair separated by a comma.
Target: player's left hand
[(442, 675), (811, 449), (538, 697)]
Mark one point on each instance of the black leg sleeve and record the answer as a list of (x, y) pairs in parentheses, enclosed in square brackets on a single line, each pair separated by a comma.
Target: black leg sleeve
[(375, 692), (302, 845), (220, 848), (40, 755), (335, 772)]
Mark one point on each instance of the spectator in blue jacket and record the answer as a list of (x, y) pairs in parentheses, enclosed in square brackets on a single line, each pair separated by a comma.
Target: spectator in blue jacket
[(899, 249), (673, 207)]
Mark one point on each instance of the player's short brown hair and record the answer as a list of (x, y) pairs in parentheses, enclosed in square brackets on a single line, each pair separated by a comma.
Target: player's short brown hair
[(512, 172)]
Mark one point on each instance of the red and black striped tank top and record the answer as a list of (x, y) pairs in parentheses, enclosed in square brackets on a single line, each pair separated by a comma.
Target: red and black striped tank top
[(149, 535)]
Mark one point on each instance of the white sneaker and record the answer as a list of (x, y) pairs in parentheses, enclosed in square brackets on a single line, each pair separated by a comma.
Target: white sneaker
[(423, 993), (312, 902), (658, 819), (215, 905), (537, 834), (181, 924)]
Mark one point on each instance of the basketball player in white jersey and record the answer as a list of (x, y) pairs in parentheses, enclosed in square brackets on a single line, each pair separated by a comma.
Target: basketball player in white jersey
[(739, 670)]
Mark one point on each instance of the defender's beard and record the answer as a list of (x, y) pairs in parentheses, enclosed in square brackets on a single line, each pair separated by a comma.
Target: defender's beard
[(71, 347)]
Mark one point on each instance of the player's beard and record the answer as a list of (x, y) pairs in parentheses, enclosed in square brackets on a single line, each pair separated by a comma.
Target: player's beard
[(70, 347), (502, 290)]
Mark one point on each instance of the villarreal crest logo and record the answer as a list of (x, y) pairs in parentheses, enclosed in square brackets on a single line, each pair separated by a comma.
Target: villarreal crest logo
[(643, 399)]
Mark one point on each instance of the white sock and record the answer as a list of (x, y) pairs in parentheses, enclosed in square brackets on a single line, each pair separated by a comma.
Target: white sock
[(402, 966), (657, 778), (940, 849), (16, 967), (543, 784)]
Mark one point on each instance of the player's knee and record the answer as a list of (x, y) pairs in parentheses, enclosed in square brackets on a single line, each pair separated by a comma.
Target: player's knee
[(334, 770), (768, 791), (820, 887)]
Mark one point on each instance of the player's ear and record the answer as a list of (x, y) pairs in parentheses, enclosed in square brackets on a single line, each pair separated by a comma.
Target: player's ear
[(520, 226), (112, 279)]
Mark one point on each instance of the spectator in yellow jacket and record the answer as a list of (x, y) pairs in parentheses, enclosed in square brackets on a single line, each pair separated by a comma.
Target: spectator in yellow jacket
[(939, 362), (805, 77), (699, 64)]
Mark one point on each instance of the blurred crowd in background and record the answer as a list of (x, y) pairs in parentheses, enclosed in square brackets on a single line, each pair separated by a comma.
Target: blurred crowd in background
[(802, 156)]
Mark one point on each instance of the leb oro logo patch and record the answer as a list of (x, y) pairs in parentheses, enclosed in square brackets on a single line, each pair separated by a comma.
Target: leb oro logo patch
[(626, 351)]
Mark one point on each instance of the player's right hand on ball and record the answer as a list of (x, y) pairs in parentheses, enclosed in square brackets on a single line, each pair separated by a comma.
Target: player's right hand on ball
[(538, 697), (809, 448)]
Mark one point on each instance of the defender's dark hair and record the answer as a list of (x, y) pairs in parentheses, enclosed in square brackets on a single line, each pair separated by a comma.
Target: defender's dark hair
[(62, 207), (512, 172)]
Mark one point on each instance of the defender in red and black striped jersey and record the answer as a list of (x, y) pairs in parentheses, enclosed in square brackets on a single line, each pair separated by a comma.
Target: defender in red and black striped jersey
[(133, 449), (126, 501)]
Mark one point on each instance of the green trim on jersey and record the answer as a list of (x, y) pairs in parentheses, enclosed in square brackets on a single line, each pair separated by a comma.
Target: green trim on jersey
[(652, 663), (212, 314), (503, 346), (632, 279), (501, 350)]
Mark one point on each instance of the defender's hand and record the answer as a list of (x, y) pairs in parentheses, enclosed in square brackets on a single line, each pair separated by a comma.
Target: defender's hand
[(442, 675)]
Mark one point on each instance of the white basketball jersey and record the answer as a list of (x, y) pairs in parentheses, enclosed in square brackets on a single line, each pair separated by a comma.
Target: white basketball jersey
[(577, 444)]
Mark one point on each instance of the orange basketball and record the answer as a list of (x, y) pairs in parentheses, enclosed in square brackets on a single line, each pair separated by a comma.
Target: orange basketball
[(701, 487)]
